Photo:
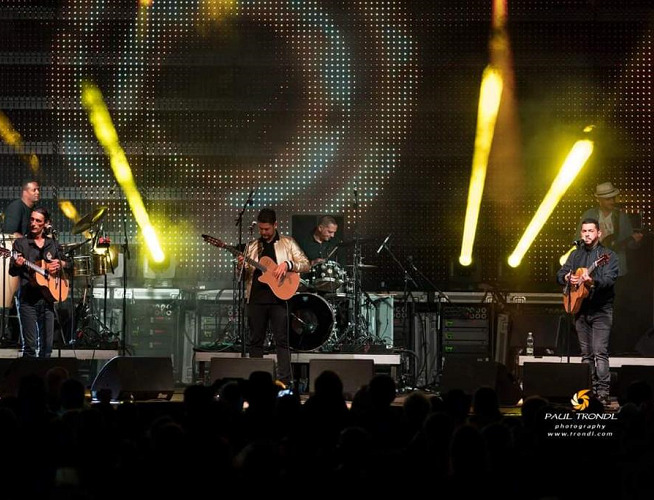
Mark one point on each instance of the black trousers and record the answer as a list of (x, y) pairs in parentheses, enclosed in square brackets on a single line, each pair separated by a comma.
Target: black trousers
[(259, 316)]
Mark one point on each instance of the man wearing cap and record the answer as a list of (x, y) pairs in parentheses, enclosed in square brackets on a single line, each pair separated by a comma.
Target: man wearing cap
[(617, 232)]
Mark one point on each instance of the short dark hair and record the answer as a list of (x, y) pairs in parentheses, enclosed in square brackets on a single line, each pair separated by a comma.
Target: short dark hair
[(44, 212), (27, 182), (267, 216), (591, 220), (326, 220)]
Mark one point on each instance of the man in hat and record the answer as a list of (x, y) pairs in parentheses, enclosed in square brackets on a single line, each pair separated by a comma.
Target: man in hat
[(616, 229)]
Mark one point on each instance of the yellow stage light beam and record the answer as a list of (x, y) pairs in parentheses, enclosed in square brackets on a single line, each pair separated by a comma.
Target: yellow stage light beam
[(105, 132), (575, 161), (489, 104), (13, 138)]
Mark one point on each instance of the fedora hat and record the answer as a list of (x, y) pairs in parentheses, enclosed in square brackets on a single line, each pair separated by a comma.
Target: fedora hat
[(606, 190)]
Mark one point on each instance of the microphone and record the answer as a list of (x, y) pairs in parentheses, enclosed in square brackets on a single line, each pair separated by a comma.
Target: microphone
[(384, 242), (410, 261), (254, 223), (578, 243), (250, 196)]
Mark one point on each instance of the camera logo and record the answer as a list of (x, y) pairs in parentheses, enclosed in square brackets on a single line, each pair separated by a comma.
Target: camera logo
[(580, 400)]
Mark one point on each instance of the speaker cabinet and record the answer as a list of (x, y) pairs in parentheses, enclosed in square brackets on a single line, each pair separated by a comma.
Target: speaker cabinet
[(555, 381), (137, 378), (239, 368), (354, 373), (469, 375), (14, 370)]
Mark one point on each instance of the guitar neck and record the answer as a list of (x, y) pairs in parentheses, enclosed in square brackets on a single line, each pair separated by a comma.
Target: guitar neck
[(247, 259), (30, 265), (36, 269)]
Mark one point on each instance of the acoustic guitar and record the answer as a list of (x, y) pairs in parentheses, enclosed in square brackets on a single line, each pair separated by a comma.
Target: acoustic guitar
[(283, 288), (54, 288), (574, 295)]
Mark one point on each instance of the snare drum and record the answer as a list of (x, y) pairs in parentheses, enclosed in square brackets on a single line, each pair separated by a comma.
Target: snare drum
[(82, 265), (327, 276)]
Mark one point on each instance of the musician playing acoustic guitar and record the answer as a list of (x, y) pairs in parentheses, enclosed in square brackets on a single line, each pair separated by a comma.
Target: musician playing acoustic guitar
[(34, 303), (588, 267), (263, 306)]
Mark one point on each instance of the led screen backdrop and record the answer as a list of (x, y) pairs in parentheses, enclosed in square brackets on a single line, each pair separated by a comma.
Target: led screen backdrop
[(365, 110)]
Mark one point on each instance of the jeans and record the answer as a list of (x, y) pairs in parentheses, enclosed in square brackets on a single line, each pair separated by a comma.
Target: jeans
[(593, 331), (36, 327)]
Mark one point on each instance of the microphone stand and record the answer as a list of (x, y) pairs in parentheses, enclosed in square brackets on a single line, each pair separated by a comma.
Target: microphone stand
[(53, 235), (126, 258), (439, 316), (405, 297), (239, 291)]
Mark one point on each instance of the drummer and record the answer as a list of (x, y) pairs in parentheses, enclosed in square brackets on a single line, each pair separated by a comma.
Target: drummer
[(17, 213), (320, 243)]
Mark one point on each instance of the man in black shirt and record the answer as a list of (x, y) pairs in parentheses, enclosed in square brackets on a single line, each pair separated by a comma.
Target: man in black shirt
[(35, 306), (326, 274), (594, 318), (16, 225), (18, 212)]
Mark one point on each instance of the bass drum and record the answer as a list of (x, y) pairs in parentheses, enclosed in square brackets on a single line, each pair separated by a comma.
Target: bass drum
[(311, 320)]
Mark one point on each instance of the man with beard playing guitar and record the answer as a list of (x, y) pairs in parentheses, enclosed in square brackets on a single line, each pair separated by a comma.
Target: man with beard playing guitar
[(264, 306), (589, 275)]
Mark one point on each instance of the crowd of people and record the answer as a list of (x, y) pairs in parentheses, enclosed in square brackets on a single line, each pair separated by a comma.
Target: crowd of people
[(240, 435)]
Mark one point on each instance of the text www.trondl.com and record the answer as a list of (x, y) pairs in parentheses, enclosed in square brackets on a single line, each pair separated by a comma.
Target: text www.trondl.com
[(579, 430)]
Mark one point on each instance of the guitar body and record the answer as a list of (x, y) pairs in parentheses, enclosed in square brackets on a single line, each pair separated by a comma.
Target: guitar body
[(576, 294), (284, 288), (55, 288)]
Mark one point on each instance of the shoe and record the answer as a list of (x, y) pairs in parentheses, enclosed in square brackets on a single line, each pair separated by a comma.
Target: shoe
[(605, 400)]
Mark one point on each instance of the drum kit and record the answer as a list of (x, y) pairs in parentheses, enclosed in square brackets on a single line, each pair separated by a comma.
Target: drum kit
[(325, 314), (95, 261)]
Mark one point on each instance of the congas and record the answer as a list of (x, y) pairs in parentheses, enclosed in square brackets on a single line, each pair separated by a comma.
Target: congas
[(327, 276), (101, 264), (10, 283), (82, 265), (311, 321)]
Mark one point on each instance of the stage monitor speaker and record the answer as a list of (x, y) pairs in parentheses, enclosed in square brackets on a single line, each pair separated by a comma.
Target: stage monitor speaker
[(18, 368), (354, 373), (239, 368), (469, 375), (627, 374), (555, 381), (136, 378)]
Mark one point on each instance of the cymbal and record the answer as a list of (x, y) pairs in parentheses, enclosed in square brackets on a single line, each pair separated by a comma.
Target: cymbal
[(69, 247), (363, 266), (89, 220)]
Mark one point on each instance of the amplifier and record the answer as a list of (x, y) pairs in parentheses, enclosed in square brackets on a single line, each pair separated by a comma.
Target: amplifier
[(461, 347), (466, 334), (479, 312), (465, 323)]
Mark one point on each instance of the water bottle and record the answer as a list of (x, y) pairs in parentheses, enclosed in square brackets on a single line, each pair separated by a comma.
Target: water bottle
[(530, 344)]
